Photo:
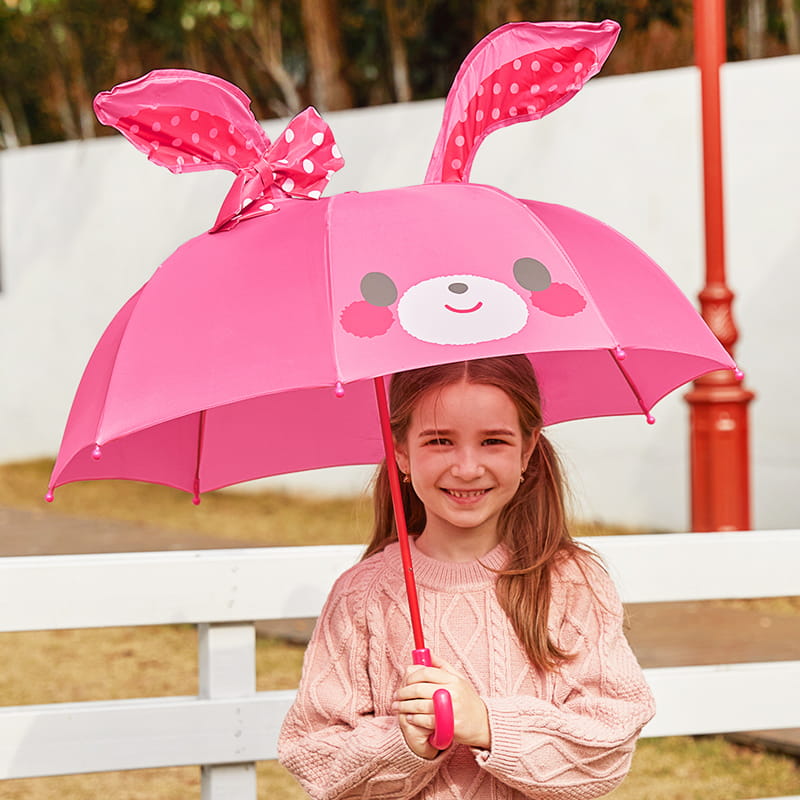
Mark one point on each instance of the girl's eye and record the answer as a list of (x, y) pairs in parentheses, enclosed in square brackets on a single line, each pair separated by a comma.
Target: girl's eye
[(438, 441), (494, 441)]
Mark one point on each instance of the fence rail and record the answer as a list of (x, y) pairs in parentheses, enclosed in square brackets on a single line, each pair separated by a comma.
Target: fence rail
[(229, 726)]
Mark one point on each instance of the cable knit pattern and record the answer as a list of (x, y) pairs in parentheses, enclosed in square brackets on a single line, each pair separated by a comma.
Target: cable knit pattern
[(566, 735)]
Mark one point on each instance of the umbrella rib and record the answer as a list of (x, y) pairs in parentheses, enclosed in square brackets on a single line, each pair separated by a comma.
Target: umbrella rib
[(201, 429), (617, 358)]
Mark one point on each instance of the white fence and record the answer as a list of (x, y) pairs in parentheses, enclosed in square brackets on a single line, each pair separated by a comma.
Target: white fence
[(230, 726)]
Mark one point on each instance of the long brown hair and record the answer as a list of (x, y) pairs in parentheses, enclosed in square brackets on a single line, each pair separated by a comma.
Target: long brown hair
[(533, 526)]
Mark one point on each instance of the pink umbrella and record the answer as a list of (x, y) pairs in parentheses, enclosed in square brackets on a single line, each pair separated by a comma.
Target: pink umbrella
[(256, 348)]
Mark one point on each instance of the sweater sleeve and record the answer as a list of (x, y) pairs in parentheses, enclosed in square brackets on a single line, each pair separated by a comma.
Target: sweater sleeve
[(332, 740), (579, 743)]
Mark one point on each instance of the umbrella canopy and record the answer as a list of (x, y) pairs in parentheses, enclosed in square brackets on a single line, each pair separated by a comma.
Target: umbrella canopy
[(250, 352)]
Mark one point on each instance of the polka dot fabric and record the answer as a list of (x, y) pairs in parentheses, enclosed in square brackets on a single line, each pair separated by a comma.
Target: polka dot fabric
[(185, 121), (525, 88), (521, 71)]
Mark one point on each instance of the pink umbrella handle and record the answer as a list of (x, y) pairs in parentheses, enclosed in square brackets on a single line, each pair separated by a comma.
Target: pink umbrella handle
[(442, 736)]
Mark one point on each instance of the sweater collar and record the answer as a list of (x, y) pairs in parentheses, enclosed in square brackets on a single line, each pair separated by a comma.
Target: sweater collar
[(449, 575)]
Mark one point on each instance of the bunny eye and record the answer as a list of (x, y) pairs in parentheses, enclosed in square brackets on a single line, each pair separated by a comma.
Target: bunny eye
[(532, 274), (378, 289)]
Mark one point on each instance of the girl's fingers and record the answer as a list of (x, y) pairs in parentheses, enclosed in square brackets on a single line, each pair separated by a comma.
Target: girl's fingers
[(417, 674), (425, 721), (412, 691), (417, 706)]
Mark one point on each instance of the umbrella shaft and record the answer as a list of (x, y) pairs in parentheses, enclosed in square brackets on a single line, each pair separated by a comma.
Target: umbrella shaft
[(399, 514)]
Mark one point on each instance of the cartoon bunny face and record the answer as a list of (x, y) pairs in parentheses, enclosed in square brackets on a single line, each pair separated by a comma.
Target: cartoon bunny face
[(461, 309)]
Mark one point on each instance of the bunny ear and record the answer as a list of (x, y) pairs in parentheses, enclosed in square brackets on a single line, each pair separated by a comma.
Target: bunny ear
[(519, 72), (185, 120)]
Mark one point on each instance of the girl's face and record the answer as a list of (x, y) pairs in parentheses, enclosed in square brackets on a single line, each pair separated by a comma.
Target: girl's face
[(465, 453)]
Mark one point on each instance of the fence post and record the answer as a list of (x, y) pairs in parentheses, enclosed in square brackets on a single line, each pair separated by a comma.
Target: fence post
[(227, 668)]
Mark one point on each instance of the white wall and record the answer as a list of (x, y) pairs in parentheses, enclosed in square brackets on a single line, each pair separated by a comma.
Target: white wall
[(84, 224)]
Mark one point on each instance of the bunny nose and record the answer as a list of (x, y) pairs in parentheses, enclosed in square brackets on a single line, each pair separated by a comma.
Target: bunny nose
[(458, 288)]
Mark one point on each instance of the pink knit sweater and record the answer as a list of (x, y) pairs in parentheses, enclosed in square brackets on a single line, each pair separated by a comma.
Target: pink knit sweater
[(568, 734)]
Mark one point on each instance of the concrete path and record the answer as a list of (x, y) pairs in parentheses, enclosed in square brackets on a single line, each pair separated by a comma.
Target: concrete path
[(661, 634)]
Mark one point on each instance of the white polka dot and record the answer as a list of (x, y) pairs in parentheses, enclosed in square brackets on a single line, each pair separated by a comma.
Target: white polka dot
[(134, 129), (481, 90), (318, 138), (154, 145), (315, 193), (308, 165), (177, 142), (231, 129), (195, 138), (578, 67), (553, 87), (557, 67), (517, 63), (456, 163), (180, 161), (495, 113), (514, 88), (194, 116), (267, 207), (248, 144), (231, 150), (288, 185), (459, 140), (156, 126), (535, 65), (289, 135), (216, 156), (175, 121), (479, 115), (213, 133), (497, 88), (335, 152), (512, 111), (535, 88), (196, 159), (531, 109)]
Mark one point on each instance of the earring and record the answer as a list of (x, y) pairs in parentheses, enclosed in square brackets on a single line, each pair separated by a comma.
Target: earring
[(406, 478), (522, 478)]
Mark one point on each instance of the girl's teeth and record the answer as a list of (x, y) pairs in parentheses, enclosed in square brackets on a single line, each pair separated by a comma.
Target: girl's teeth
[(466, 494)]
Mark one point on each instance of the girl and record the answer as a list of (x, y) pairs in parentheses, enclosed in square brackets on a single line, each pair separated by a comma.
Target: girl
[(524, 624)]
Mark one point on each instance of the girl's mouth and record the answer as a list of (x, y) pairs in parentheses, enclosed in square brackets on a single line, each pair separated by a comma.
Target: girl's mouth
[(465, 310), (464, 495)]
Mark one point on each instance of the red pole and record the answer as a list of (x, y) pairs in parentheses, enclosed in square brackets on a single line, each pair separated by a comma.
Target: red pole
[(720, 461)]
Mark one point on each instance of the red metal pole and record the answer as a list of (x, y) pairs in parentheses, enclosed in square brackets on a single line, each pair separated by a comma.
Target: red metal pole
[(720, 461)]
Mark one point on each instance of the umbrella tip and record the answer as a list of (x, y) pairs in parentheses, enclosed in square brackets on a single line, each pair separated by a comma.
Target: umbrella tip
[(738, 374), (339, 390), (97, 453), (619, 353), (651, 420), (196, 499), (49, 497)]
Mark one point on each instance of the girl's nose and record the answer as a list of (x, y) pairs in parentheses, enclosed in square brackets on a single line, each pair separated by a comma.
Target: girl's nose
[(467, 466)]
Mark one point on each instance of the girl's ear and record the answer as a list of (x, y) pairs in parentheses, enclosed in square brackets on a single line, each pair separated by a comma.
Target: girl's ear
[(528, 451), (401, 456)]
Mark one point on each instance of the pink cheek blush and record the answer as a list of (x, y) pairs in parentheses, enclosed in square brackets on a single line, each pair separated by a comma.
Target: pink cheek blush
[(559, 299), (365, 320)]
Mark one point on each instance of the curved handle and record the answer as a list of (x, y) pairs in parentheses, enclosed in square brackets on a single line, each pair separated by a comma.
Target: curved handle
[(442, 736)]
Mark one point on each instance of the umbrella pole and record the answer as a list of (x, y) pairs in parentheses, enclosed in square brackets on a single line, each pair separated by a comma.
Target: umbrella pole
[(400, 520), (442, 737)]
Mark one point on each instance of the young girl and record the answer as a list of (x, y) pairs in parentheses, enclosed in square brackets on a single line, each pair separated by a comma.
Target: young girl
[(524, 624)]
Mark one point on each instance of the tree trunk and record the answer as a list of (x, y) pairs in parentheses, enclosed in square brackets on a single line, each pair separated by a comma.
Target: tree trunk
[(269, 46), (399, 54), (329, 90), (791, 22), (756, 28)]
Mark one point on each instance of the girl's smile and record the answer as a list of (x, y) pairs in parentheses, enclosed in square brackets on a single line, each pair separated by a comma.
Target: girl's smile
[(465, 453)]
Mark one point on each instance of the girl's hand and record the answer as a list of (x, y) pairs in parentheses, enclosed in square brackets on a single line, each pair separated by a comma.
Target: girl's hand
[(414, 707)]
